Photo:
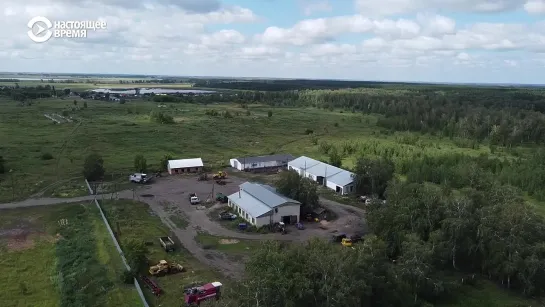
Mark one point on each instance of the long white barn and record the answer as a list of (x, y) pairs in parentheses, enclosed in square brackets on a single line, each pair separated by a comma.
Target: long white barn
[(337, 179)]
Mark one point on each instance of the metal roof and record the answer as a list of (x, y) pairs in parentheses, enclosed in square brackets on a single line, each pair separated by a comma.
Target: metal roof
[(258, 199), (183, 163), (332, 174), (258, 159)]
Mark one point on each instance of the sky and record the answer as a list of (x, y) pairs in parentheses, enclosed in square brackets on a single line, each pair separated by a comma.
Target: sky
[(463, 41)]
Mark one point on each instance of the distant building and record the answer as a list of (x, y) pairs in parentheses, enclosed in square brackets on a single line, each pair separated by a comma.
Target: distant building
[(261, 163), (185, 166), (261, 205), (337, 179)]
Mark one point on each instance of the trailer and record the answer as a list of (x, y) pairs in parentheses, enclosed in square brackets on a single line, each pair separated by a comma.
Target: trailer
[(167, 243), (155, 289)]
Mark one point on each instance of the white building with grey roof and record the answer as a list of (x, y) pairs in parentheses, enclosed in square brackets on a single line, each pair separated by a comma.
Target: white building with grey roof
[(337, 179), (261, 162), (261, 205)]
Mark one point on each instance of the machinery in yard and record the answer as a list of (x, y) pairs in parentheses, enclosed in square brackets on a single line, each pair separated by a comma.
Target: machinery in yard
[(221, 198), (220, 175), (164, 268), (193, 296), (193, 199), (167, 243), (347, 242), (154, 288)]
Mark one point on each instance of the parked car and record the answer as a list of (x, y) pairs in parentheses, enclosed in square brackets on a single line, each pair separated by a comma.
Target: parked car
[(227, 216)]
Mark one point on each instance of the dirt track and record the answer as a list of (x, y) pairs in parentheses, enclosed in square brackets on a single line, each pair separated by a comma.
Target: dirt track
[(168, 196)]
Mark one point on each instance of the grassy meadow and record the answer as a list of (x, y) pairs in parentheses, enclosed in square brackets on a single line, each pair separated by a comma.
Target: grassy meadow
[(47, 254), (41, 153)]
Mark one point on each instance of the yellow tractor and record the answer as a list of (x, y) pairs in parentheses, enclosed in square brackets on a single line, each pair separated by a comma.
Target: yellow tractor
[(220, 175), (164, 267), (347, 242)]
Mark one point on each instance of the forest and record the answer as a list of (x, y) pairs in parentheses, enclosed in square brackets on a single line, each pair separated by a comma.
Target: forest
[(426, 244)]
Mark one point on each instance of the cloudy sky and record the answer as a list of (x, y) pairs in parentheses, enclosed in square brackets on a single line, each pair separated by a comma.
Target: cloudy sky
[(403, 40)]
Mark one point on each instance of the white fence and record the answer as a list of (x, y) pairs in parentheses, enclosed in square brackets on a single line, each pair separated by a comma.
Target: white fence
[(118, 247)]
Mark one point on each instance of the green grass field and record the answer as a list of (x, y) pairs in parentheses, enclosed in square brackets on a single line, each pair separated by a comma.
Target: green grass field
[(119, 132), (47, 254), (136, 222)]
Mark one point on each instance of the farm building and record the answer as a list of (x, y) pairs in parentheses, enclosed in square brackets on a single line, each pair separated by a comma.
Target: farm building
[(185, 166), (261, 205), (337, 179), (261, 162)]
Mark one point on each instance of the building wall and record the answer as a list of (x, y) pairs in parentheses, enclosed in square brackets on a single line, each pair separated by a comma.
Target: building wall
[(329, 184), (241, 165), (286, 210), (175, 171), (274, 217)]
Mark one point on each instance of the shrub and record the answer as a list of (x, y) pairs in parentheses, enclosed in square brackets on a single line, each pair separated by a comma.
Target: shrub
[(47, 156), (127, 277), (161, 118), (309, 131)]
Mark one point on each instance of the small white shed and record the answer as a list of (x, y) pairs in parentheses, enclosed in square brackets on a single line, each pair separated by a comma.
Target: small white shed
[(185, 166)]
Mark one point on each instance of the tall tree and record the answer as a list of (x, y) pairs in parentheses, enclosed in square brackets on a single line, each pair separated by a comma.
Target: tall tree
[(93, 167), (140, 164), (372, 175)]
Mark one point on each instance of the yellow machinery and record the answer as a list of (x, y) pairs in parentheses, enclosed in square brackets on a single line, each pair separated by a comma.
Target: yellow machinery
[(163, 268), (347, 242), (220, 175)]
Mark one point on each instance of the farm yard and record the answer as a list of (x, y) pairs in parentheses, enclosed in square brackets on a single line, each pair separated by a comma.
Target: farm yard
[(48, 254)]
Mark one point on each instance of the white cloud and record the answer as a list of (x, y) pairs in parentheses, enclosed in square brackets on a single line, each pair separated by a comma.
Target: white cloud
[(397, 7), (311, 7), (535, 6), (190, 37)]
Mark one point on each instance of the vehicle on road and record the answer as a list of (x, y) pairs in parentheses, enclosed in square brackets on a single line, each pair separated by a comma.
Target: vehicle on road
[(193, 199), (193, 296), (167, 243), (139, 178)]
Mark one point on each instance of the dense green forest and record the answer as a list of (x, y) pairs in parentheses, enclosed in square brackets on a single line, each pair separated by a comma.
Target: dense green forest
[(426, 243)]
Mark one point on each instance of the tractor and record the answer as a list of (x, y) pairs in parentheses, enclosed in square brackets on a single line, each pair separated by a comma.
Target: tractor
[(220, 175), (164, 268)]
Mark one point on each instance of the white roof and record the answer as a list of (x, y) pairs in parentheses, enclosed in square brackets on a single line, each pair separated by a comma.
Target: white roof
[(216, 284), (183, 163), (332, 174), (259, 199)]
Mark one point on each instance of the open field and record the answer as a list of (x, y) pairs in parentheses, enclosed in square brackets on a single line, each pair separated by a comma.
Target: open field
[(47, 254), (119, 132)]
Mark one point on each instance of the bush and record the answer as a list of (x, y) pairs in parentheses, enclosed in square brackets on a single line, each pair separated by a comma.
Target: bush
[(309, 131), (127, 277), (161, 118), (47, 156), (212, 113), (269, 114)]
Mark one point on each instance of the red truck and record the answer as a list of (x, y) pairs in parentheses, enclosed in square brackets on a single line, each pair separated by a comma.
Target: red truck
[(195, 295)]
